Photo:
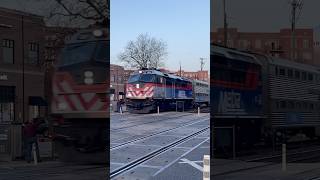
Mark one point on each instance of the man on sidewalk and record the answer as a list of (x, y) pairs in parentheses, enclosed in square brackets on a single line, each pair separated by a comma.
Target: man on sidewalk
[(30, 135)]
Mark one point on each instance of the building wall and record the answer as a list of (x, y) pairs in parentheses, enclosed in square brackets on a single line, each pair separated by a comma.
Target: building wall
[(275, 43), (15, 26), (117, 81)]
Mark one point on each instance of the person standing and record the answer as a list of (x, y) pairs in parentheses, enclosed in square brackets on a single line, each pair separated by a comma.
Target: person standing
[(30, 135)]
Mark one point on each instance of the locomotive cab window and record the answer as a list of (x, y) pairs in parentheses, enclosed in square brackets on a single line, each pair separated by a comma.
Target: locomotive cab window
[(77, 53), (134, 78), (102, 52), (147, 78)]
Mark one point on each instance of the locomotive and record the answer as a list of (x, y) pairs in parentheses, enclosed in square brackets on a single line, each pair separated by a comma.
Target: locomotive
[(263, 98), (148, 89), (79, 99)]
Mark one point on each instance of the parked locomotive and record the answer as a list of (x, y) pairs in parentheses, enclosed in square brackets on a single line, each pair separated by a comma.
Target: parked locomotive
[(147, 89), (79, 103), (261, 98)]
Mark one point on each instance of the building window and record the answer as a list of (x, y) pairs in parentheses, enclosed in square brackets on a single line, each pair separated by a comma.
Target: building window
[(33, 53), (304, 76), (6, 112), (306, 55), (8, 51), (258, 44), (305, 43)]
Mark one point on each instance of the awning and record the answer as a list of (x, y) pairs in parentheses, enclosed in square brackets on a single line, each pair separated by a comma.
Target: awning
[(37, 101)]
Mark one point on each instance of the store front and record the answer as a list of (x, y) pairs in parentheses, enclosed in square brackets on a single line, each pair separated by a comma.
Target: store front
[(7, 109)]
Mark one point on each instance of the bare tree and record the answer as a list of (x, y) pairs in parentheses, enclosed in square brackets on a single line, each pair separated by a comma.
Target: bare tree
[(145, 52), (75, 12)]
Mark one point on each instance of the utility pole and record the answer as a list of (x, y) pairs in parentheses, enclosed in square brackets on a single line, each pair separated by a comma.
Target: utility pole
[(202, 64), (294, 5), (180, 68), (225, 27)]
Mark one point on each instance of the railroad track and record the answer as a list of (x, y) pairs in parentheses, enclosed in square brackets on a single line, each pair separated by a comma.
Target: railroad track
[(133, 124), (155, 153), (157, 133)]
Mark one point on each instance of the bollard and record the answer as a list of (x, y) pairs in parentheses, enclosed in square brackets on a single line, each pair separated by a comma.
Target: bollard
[(206, 167), (284, 157), (34, 154), (198, 110), (158, 110)]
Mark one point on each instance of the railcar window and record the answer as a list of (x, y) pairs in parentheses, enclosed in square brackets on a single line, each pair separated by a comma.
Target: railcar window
[(310, 77), (290, 73), (290, 105), (311, 106), (276, 70), (298, 105), (297, 74), (283, 104), (304, 76), (282, 72)]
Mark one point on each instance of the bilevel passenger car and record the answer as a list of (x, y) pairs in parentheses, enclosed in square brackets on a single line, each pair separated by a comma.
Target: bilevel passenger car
[(263, 98)]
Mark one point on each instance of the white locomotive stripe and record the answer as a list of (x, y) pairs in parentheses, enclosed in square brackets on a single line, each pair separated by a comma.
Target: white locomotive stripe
[(88, 96), (97, 105), (76, 102), (66, 87)]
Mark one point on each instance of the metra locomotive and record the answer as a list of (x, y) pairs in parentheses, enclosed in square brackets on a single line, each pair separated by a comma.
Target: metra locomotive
[(263, 97), (148, 89), (79, 102)]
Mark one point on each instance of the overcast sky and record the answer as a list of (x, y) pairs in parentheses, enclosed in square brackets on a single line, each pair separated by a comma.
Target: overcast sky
[(264, 15), (183, 24)]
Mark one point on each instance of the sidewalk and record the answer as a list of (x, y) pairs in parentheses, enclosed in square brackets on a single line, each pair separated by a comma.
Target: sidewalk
[(233, 169)]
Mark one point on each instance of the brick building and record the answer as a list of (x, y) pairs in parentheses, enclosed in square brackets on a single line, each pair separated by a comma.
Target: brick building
[(117, 81), (21, 77), (272, 43), (199, 75)]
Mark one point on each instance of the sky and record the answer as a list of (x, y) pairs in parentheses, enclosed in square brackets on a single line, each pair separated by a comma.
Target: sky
[(264, 15), (183, 24)]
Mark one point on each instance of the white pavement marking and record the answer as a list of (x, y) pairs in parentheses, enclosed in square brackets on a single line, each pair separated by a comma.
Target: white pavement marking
[(165, 167), (192, 161), (200, 168)]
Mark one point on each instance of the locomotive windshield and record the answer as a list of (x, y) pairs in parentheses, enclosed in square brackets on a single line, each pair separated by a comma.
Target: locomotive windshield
[(76, 53), (141, 78), (82, 52)]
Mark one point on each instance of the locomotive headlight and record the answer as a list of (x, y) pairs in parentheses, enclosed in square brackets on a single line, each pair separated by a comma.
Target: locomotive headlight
[(62, 106), (97, 33), (88, 77)]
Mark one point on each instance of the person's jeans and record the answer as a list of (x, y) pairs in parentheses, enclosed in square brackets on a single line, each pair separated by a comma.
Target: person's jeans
[(28, 148)]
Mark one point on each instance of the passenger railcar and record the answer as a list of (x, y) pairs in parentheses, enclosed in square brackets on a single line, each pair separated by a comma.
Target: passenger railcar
[(201, 92), (148, 89), (263, 97)]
